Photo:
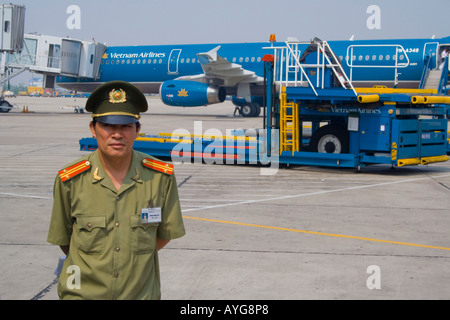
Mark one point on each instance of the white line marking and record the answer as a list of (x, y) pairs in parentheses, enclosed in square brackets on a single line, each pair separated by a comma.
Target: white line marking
[(315, 193), (23, 196)]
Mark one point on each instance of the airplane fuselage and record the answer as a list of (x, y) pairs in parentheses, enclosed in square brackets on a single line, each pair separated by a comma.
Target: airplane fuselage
[(367, 62)]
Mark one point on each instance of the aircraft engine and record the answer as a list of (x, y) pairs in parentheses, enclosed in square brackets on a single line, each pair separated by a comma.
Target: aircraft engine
[(182, 93)]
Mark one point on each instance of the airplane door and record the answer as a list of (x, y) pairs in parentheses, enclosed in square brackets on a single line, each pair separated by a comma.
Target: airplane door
[(431, 50), (173, 61)]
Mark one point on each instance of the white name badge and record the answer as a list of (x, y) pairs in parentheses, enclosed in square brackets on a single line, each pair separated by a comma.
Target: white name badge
[(150, 215)]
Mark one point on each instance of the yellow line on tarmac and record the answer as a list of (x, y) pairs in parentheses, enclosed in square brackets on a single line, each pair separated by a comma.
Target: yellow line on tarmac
[(318, 233)]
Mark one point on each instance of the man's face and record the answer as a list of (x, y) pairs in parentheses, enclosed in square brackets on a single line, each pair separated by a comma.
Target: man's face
[(115, 141)]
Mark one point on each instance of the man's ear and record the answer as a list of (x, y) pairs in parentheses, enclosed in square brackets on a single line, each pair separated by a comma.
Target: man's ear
[(92, 127)]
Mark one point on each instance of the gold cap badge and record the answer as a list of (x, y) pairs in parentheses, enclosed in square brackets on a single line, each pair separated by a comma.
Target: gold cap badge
[(117, 96)]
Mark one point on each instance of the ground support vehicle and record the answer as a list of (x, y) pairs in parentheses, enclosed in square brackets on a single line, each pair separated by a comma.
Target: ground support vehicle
[(354, 127), (373, 128)]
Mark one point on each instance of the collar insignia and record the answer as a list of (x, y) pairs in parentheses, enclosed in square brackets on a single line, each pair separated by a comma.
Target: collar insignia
[(96, 176)]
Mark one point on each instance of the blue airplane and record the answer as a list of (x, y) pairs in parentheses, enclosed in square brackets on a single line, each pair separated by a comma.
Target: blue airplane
[(203, 74)]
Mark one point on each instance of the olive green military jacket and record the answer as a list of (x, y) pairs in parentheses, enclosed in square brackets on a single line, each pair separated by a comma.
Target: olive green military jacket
[(113, 254)]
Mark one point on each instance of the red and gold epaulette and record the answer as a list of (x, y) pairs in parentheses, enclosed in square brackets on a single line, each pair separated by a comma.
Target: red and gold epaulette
[(72, 171), (158, 165)]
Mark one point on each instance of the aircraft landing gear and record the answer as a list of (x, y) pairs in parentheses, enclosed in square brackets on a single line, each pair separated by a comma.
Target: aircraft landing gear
[(249, 109)]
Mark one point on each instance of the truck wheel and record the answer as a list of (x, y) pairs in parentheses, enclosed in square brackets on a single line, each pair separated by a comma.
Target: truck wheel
[(330, 139), (5, 106)]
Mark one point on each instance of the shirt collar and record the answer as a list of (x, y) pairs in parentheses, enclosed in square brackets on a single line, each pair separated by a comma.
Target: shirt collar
[(99, 174)]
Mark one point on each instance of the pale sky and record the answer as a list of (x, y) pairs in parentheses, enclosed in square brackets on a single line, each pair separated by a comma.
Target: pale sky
[(138, 22), (155, 22)]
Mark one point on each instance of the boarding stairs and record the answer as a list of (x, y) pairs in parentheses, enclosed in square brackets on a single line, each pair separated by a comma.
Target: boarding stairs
[(435, 78)]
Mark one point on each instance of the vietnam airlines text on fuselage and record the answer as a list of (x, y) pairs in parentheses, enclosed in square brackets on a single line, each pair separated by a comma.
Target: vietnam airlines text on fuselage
[(142, 55)]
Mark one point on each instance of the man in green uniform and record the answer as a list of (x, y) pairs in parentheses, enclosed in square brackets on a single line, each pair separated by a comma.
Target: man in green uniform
[(114, 208)]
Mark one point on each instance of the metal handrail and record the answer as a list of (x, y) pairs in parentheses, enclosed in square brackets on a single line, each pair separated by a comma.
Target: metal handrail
[(425, 73), (398, 48), (442, 89)]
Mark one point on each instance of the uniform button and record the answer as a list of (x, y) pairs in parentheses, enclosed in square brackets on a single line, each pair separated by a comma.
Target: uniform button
[(117, 249), (118, 198), (89, 225), (116, 275), (117, 224)]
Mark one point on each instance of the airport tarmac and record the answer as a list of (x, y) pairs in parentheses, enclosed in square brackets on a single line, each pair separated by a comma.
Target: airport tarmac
[(303, 233)]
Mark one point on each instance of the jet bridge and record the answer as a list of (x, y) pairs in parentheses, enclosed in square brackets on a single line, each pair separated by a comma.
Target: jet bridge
[(47, 55), (54, 56)]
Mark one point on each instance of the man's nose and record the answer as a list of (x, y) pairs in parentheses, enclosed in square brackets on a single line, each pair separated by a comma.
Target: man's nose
[(116, 131)]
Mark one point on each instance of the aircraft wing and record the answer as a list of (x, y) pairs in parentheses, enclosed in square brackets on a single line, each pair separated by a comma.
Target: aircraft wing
[(222, 72)]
